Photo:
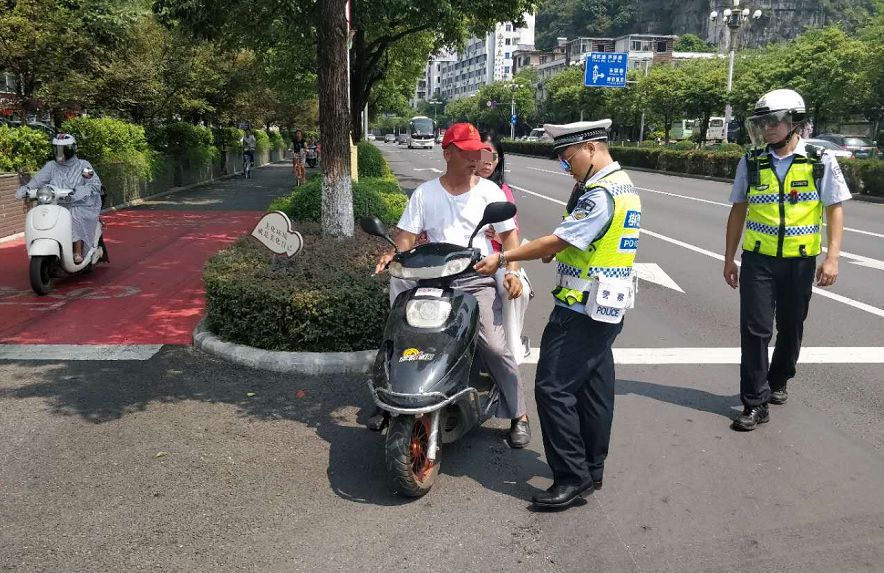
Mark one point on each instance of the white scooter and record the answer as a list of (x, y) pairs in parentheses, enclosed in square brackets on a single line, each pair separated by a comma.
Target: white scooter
[(49, 239)]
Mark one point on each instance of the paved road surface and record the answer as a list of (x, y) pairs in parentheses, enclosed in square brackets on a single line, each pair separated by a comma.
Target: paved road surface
[(185, 463)]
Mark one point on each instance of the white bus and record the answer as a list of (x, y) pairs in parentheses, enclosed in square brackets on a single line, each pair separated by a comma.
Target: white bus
[(682, 129), (421, 133), (716, 131)]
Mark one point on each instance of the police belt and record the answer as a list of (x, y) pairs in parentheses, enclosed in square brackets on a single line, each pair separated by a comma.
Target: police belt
[(574, 283)]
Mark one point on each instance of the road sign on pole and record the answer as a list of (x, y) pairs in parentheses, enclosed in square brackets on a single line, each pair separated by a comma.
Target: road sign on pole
[(514, 119), (605, 70)]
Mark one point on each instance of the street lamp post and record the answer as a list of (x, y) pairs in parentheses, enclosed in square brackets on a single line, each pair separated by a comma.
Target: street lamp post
[(513, 88), (734, 20), (434, 103)]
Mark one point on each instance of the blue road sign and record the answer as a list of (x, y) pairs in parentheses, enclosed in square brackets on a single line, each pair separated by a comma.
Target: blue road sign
[(605, 70), (514, 119)]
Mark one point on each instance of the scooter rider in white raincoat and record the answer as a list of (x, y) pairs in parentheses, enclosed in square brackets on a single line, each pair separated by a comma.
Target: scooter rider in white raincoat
[(70, 172)]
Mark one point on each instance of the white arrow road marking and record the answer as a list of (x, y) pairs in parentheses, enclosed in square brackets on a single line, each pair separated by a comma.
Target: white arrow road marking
[(652, 273), (809, 355), (78, 351), (818, 291), (433, 169)]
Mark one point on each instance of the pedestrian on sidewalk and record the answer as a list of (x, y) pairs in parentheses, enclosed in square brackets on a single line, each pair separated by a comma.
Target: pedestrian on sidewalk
[(780, 191), (595, 246)]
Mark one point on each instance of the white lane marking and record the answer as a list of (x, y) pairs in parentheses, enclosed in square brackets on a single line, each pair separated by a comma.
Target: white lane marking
[(688, 197), (728, 205), (78, 351), (652, 273), (433, 169), (809, 355), (818, 291)]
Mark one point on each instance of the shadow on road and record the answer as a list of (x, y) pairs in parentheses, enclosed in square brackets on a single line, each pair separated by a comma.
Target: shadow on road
[(333, 407), (681, 396)]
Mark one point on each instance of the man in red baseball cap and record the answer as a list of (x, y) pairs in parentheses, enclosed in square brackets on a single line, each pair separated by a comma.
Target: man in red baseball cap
[(448, 209)]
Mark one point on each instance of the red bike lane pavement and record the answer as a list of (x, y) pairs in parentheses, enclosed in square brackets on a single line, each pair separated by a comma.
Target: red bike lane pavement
[(151, 292)]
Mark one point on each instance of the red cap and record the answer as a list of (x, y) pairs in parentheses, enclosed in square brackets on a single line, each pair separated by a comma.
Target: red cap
[(464, 136)]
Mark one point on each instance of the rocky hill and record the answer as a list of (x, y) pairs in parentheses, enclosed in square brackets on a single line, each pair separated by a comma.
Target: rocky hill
[(781, 19)]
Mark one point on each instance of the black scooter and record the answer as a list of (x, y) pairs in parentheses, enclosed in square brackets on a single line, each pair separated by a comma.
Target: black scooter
[(425, 375)]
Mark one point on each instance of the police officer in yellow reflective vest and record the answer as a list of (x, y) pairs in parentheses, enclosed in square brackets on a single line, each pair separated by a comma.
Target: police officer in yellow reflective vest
[(594, 247), (780, 191)]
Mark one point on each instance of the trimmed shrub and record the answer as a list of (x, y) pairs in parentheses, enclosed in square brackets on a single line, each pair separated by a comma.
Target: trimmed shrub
[(192, 143), (538, 148), (322, 300), (371, 162), (104, 141), (371, 196), (229, 139), (865, 176), (684, 145), (23, 149), (275, 139), (262, 140)]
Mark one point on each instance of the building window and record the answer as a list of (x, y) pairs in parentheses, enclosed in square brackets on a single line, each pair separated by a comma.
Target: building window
[(661, 46), (506, 69), (506, 55), (509, 27), (640, 45), (507, 42)]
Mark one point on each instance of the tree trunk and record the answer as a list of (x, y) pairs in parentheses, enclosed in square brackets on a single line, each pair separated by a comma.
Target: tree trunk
[(334, 119)]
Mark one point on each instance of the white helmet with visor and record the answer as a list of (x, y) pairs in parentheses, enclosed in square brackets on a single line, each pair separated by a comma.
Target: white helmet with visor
[(64, 147), (776, 117)]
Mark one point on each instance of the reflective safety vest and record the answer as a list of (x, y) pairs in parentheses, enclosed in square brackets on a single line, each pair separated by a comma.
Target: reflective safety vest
[(611, 254), (785, 218)]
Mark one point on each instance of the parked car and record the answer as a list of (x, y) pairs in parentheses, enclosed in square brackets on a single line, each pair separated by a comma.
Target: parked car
[(538, 134), (389, 138), (370, 137), (402, 138), (830, 148), (860, 147)]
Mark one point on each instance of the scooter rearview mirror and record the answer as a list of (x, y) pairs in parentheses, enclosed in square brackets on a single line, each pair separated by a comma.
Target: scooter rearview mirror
[(374, 226), (494, 213)]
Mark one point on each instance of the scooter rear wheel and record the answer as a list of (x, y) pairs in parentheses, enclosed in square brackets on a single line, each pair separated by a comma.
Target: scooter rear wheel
[(410, 470), (41, 274)]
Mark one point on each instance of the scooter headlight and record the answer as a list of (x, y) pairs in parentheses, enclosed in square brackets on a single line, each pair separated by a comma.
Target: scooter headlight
[(427, 313), (455, 266), (45, 196)]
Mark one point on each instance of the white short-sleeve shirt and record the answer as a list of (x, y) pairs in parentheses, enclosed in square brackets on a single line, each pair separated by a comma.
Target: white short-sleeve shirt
[(448, 218)]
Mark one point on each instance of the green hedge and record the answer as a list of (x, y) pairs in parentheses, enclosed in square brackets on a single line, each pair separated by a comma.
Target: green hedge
[(371, 196), (276, 141), (262, 141), (191, 144), (371, 162), (23, 149), (865, 176), (104, 141), (324, 299), (229, 139), (538, 148)]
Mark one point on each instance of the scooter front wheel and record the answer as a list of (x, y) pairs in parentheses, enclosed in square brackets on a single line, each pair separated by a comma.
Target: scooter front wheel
[(409, 469), (41, 274)]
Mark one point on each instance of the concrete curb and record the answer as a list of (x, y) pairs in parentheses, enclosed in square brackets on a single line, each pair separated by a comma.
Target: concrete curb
[(305, 363)]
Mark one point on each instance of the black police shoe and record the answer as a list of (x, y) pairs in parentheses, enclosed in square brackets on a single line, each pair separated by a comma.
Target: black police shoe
[(751, 417), (559, 496), (779, 396), (520, 434)]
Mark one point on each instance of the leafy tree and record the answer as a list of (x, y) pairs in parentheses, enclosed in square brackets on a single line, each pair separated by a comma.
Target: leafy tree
[(573, 18), (662, 92), (692, 43), (497, 117), (703, 94)]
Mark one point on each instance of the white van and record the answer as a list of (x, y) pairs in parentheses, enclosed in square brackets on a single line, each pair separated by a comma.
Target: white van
[(716, 130), (537, 134)]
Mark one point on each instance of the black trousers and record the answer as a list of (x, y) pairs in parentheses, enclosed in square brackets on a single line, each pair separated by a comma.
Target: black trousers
[(574, 391), (771, 287)]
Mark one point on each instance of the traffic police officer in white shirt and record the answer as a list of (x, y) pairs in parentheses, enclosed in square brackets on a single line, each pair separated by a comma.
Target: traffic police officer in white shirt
[(594, 246), (780, 192)]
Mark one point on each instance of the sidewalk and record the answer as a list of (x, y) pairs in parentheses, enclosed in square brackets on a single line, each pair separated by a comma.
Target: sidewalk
[(152, 290)]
